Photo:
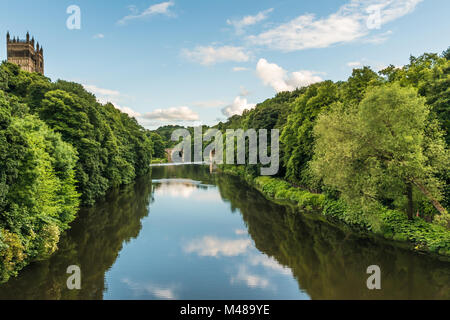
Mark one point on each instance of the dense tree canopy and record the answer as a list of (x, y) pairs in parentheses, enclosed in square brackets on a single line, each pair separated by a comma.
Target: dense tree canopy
[(59, 147), (38, 199), (158, 145), (382, 149), (297, 138), (416, 102), (379, 141)]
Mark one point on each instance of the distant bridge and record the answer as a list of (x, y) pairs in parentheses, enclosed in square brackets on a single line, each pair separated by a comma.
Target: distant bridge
[(170, 152)]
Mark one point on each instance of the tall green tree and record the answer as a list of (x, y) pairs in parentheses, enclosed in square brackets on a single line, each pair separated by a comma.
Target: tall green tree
[(386, 150)]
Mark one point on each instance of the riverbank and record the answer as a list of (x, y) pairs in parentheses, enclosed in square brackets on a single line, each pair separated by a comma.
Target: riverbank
[(159, 160), (392, 225)]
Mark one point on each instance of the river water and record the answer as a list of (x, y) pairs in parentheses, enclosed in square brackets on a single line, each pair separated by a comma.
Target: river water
[(185, 233)]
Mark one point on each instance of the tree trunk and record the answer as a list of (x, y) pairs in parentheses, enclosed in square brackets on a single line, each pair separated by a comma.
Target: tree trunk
[(435, 203), (410, 201)]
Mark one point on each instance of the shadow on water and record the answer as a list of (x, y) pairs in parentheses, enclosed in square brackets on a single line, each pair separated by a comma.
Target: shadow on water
[(327, 262), (93, 243)]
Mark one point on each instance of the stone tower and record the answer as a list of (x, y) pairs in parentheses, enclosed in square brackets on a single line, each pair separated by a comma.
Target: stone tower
[(24, 54)]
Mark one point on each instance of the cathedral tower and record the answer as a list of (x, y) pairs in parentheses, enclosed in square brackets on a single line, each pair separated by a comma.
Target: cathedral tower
[(24, 54)]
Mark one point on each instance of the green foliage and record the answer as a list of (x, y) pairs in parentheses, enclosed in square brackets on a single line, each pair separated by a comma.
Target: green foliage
[(270, 114), (159, 146), (430, 75), (159, 160), (297, 138), (38, 198), (165, 132), (354, 89), (113, 148), (446, 54), (366, 143), (58, 146), (425, 236), (372, 153), (390, 224)]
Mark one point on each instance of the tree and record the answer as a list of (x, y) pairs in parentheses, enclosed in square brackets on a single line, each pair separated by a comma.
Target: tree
[(354, 88), (297, 136), (430, 74), (158, 145), (57, 143), (38, 198), (386, 150), (446, 54)]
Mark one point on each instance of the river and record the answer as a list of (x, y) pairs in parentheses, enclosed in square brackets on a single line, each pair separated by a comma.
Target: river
[(185, 233)]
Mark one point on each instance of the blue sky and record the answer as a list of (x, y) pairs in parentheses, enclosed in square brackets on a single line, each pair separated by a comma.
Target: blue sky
[(192, 62)]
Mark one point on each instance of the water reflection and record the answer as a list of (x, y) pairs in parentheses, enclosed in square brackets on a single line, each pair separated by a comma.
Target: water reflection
[(93, 243), (210, 246), (329, 263), (184, 233)]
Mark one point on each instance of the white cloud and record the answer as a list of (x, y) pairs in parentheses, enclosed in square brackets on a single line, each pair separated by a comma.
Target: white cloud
[(210, 246), (379, 38), (279, 79), (244, 92), (110, 96), (238, 69), (128, 111), (159, 8), (211, 55), (240, 24), (172, 114), (354, 64), (99, 36), (209, 104), (391, 10), (101, 91), (237, 107), (351, 22)]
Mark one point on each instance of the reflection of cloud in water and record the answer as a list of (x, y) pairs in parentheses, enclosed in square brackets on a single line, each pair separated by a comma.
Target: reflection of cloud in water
[(240, 232), (210, 246), (175, 189), (159, 292), (185, 188), (251, 280), (206, 196), (269, 263)]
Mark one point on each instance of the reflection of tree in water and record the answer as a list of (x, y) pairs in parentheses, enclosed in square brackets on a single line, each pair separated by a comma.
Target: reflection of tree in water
[(329, 263), (193, 172), (93, 243)]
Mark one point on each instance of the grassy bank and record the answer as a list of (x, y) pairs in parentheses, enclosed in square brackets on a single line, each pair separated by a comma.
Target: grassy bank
[(159, 160), (416, 234)]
